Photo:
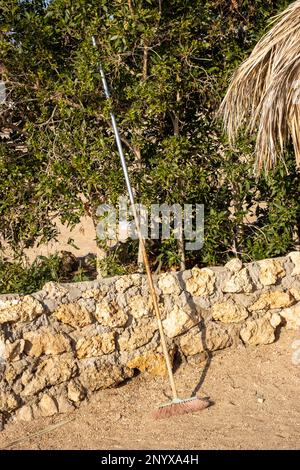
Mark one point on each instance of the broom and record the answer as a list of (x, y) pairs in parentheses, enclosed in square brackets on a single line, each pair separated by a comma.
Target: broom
[(176, 406)]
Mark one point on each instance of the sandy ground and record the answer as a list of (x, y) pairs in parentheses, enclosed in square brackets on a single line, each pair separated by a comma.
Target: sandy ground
[(83, 234), (256, 406)]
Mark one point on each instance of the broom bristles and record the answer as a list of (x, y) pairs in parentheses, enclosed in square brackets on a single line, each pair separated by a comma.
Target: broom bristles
[(264, 94), (180, 407)]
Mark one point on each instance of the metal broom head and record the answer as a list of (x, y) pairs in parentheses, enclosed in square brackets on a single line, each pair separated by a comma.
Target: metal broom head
[(179, 407)]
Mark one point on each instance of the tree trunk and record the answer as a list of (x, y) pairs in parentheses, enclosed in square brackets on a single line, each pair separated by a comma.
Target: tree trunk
[(130, 4), (296, 238), (101, 253), (181, 253), (237, 206)]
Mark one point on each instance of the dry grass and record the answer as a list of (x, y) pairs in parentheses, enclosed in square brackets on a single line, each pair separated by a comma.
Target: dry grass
[(264, 94)]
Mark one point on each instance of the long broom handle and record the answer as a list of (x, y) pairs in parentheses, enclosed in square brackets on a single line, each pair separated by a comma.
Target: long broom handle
[(137, 223)]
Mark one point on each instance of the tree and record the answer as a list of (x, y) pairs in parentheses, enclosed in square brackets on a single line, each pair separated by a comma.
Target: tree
[(265, 92)]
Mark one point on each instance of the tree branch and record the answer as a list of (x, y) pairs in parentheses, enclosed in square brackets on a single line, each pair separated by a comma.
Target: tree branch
[(160, 7), (145, 61)]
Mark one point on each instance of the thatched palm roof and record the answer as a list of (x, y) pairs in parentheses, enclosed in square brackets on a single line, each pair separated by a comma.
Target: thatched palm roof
[(264, 94)]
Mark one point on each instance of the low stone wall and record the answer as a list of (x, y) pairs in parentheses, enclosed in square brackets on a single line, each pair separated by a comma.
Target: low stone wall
[(59, 345)]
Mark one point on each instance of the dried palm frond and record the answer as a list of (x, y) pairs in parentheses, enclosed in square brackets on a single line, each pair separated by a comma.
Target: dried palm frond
[(264, 94)]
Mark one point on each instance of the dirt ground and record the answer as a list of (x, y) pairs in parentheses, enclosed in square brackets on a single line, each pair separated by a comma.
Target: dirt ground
[(256, 406), (83, 236)]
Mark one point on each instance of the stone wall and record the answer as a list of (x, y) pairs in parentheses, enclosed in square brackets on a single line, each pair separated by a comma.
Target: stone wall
[(59, 345)]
